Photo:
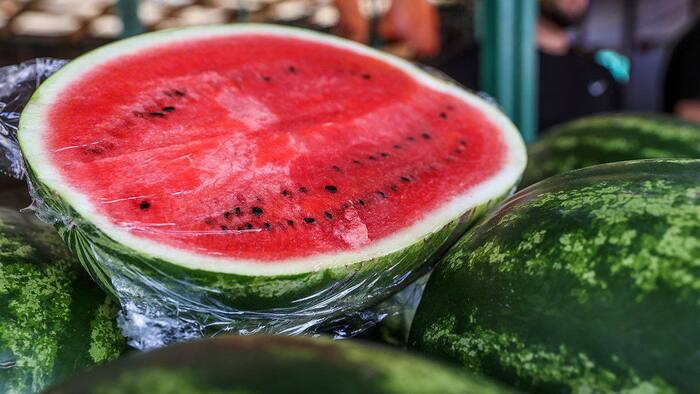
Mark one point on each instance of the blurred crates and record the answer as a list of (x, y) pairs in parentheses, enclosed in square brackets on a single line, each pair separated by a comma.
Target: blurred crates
[(67, 28), (76, 20)]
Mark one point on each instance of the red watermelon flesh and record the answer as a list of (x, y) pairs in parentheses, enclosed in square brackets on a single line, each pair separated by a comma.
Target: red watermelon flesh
[(267, 147)]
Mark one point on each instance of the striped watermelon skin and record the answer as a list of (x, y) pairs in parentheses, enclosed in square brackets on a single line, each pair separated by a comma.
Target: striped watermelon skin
[(54, 321), (271, 365), (585, 282), (609, 138)]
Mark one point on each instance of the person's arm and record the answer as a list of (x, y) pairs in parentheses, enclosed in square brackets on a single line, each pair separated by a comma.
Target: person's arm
[(412, 26), (413, 23), (352, 24), (688, 110)]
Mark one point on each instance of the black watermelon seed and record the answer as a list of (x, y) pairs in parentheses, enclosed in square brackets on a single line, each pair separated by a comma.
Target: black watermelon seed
[(286, 193), (331, 188), (405, 179), (303, 189), (209, 220), (384, 154), (309, 220), (174, 93), (397, 146), (157, 114), (267, 225), (381, 193), (462, 142), (168, 109), (372, 158), (239, 228), (224, 228), (357, 162), (248, 226), (366, 76), (411, 138), (227, 214), (266, 78), (257, 211), (292, 69), (290, 222), (346, 206), (95, 150), (144, 205), (425, 136), (361, 202), (393, 187), (237, 210), (336, 168), (443, 115), (328, 215)]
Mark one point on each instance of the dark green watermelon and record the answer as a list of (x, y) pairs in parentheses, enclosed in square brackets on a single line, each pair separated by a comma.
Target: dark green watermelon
[(587, 282), (609, 138), (54, 321), (271, 365)]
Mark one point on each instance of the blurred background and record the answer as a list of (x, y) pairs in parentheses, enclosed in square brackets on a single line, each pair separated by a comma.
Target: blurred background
[(594, 56)]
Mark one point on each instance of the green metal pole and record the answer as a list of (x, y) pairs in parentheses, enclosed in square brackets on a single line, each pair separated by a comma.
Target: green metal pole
[(128, 12), (509, 59), (242, 12)]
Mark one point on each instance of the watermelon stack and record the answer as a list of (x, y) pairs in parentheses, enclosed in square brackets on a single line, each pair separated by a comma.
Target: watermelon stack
[(223, 173), (250, 179), (54, 321), (585, 282)]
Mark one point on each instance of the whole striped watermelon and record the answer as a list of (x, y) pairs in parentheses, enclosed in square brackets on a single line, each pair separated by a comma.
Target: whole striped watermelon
[(276, 365), (54, 321), (588, 282), (609, 138)]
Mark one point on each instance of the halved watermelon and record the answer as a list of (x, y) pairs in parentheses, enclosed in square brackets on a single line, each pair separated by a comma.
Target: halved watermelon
[(261, 167)]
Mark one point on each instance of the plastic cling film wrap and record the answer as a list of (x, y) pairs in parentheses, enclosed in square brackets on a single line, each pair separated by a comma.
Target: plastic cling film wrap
[(166, 301), (161, 305), (17, 83)]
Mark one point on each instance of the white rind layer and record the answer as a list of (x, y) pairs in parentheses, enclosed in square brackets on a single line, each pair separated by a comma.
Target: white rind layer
[(31, 138)]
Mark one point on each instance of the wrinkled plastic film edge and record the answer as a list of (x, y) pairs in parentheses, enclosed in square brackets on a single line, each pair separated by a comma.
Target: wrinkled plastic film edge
[(17, 84), (159, 308)]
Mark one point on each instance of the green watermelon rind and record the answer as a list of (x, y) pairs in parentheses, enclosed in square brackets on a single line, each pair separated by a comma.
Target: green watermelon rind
[(54, 321), (109, 252), (569, 287), (298, 364), (609, 138)]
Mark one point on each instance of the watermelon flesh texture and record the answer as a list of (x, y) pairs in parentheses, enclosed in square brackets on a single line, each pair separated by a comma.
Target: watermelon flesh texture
[(214, 171), (260, 145)]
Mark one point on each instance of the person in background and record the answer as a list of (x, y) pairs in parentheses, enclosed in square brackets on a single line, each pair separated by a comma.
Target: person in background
[(410, 27), (572, 83), (682, 85)]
